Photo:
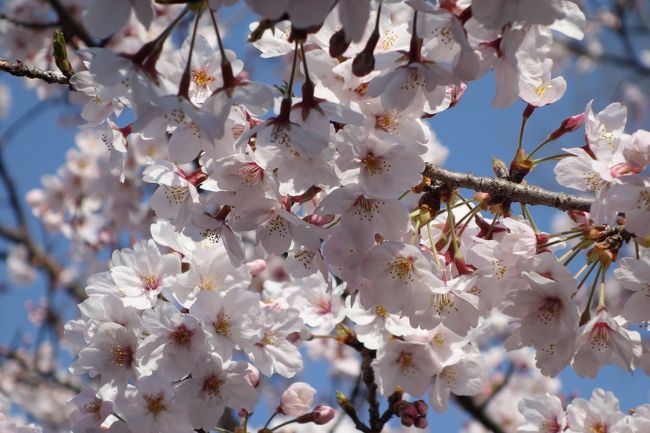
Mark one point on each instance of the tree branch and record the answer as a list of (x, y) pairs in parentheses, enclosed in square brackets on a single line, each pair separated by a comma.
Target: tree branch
[(522, 193), (609, 58), (28, 24), (19, 69), (70, 25), (39, 258), (469, 405)]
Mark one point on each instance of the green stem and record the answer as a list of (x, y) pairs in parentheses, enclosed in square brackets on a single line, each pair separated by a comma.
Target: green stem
[(529, 217), (550, 158), (539, 146), (586, 315), (524, 120), (591, 268)]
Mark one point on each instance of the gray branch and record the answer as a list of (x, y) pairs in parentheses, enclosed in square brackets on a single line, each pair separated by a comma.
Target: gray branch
[(19, 69), (522, 193)]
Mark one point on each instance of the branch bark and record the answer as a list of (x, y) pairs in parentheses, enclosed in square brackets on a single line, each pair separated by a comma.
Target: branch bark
[(469, 405), (70, 26), (19, 69), (522, 193), (35, 25)]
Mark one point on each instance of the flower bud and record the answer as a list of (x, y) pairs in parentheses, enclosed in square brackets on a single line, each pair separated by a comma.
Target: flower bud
[(338, 44), (569, 124), (325, 414), (320, 415), (297, 399), (252, 376), (421, 407), (256, 267), (363, 64)]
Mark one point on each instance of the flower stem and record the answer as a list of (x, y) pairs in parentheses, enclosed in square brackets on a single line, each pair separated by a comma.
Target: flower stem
[(591, 268), (586, 314), (538, 147)]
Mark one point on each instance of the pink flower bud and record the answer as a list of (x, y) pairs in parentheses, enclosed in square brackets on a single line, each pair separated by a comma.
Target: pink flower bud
[(569, 124), (325, 414), (421, 422), (297, 399), (320, 415), (421, 407), (408, 421), (256, 267), (252, 376)]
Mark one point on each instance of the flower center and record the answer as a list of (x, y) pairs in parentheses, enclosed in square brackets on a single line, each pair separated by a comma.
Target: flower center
[(600, 337), (155, 403), (176, 194), (212, 386), (374, 164), (122, 356), (94, 407), (150, 282), (543, 88), (405, 361), (389, 121), (549, 311), (202, 78), (599, 427), (443, 303), (550, 426), (402, 268), (251, 174), (181, 336), (222, 325), (381, 311)]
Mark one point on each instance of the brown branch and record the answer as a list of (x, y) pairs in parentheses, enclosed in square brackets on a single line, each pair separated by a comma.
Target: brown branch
[(368, 376), (19, 69), (609, 58), (469, 405), (34, 25), (70, 26), (39, 258), (522, 193), (21, 235), (29, 367)]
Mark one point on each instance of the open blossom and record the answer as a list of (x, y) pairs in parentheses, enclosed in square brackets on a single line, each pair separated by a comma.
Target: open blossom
[(152, 407), (409, 366), (461, 378), (542, 90), (400, 278), (142, 273), (175, 343), (227, 319), (271, 350), (215, 384), (634, 274), (545, 311), (320, 304), (600, 413), (110, 354), (318, 229), (605, 340), (544, 414), (88, 411)]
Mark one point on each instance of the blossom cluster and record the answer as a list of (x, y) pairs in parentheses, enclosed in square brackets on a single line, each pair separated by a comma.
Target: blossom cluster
[(269, 221)]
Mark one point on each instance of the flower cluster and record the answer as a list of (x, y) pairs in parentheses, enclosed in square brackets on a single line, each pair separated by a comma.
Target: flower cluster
[(246, 223)]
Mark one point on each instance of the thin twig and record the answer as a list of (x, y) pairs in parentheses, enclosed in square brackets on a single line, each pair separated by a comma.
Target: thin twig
[(469, 405), (522, 193), (35, 25), (70, 26), (19, 69)]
